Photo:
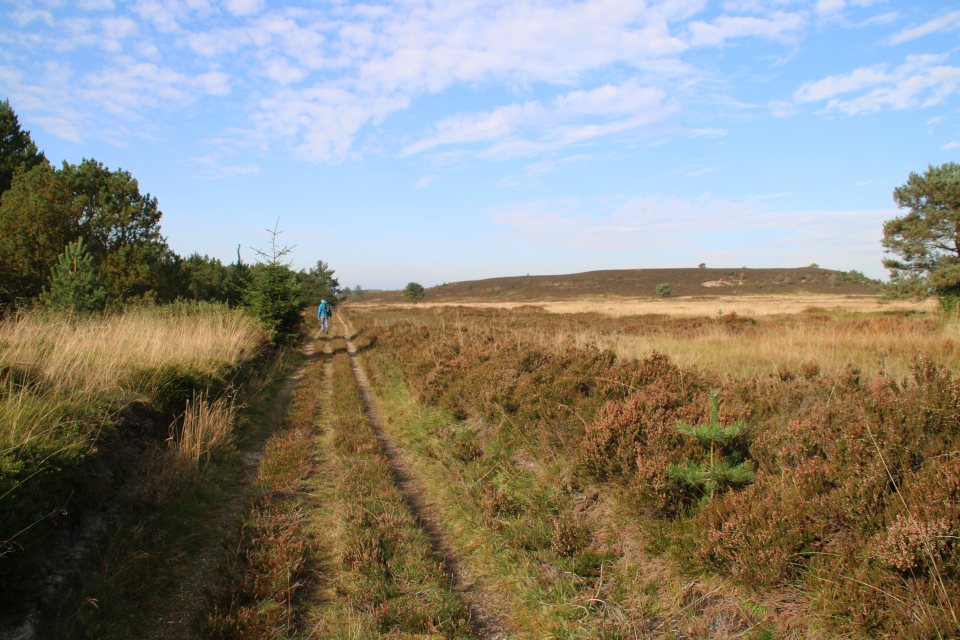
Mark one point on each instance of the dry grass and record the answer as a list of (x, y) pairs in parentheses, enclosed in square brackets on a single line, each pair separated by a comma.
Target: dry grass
[(753, 306), (207, 429), (94, 354), (843, 331), (872, 347)]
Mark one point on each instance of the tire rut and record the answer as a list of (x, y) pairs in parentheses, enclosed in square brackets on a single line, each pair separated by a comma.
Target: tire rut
[(181, 604), (485, 623)]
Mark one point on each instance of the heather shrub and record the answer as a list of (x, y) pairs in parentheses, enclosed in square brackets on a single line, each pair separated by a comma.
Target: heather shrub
[(570, 534), (841, 485)]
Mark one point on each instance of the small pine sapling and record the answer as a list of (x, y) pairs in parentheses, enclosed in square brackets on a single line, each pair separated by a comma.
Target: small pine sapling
[(725, 467), (74, 285)]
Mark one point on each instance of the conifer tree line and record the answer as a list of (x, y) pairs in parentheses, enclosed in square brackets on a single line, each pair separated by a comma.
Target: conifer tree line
[(85, 233)]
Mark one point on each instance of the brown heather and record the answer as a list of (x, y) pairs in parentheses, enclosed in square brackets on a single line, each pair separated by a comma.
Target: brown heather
[(854, 433)]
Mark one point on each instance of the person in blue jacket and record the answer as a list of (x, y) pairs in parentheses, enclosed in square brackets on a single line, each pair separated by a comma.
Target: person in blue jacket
[(323, 315)]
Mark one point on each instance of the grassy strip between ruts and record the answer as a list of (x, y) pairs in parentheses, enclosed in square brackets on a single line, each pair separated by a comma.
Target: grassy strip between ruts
[(271, 557), (328, 548), (380, 578)]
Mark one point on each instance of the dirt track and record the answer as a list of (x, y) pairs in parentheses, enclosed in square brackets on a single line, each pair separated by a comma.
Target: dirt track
[(178, 608), (485, 622)]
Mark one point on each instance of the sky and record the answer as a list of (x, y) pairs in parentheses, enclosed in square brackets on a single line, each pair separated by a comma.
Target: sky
[(439, 141)]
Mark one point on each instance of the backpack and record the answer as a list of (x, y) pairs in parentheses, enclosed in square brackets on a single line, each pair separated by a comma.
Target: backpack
[(325, 308)]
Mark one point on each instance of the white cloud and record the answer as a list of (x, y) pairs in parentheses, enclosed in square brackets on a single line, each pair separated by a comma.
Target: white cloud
[(834, 85), (864, 183), (338, 69), (215, 83), (281, 71), (951, 145), (117, 28), (545, 166), (621, 108), (96, 5), (425, 180), (881, 18), (946, 22), (243, 7), (214, 168), (919, 82), (60, 127), (710, 132), (706, 170), (781, 26), (830, 6)]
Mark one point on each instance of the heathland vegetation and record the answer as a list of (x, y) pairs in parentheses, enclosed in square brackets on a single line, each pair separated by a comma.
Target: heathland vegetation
[(576, 476), (623, 494)]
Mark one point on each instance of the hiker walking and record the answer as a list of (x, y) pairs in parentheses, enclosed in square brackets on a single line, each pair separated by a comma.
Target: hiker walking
[(323, 315)]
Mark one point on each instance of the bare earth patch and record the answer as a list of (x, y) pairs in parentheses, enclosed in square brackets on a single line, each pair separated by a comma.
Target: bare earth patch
[(753, 306)]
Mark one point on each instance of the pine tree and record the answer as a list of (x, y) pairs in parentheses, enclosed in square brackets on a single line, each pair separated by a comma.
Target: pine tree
[(413, 292), (725, 467), (274, 296), (74, 286), (17, 150)]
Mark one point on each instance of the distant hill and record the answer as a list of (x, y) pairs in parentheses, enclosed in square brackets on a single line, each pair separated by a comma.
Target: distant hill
[(634, 283)]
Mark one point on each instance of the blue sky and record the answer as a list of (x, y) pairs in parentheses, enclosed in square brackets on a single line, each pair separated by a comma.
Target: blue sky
[(442, 141)]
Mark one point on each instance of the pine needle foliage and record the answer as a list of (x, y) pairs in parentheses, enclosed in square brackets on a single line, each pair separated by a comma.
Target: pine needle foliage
[(74, 285), (274, 296), (725, 467)]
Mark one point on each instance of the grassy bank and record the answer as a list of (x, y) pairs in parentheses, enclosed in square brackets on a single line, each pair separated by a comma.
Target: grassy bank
[(807, 501), (117, 432)]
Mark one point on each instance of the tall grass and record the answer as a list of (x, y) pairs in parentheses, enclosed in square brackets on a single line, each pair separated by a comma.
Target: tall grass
[(94, 354), (879, 346), (207, 429), (67, 433)]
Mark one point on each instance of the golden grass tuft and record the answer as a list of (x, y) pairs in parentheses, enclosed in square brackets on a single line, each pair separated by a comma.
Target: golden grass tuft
[(207, 429)]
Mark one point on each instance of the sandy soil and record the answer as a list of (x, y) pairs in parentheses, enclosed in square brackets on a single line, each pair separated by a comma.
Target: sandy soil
[(753, 306)]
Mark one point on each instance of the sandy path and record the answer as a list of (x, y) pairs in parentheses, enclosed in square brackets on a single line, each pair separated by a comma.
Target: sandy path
[(486, 622)]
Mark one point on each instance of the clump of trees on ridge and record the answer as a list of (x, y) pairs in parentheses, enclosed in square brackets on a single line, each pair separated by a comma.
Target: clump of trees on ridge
[(83, 237)]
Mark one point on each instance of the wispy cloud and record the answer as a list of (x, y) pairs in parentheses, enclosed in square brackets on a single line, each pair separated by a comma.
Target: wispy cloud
[(947, 22), (214, 167), (864, 183), (654, 224), (921, 81), (425, 180), (570, 118), (951, 145), (705, 170), (780, 26)]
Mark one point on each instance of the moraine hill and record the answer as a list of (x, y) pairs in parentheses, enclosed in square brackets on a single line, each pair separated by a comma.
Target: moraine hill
[(642, 283)]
